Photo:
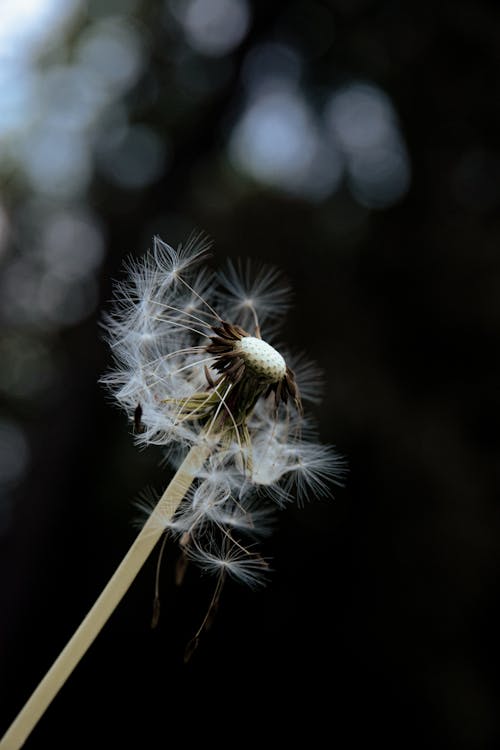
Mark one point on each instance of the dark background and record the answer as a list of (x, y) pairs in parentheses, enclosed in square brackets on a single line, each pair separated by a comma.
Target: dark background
[(380, 619)]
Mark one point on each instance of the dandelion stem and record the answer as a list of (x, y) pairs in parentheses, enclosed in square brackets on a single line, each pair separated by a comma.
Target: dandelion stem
[(104, 606)]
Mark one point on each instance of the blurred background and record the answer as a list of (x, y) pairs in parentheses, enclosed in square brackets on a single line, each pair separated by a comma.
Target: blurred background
[(356, 145)]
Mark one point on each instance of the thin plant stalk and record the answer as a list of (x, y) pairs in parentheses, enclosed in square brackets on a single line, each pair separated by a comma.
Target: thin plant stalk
[(104, 606)]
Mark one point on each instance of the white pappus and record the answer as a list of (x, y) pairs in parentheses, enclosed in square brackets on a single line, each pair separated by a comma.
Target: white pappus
[(191, 368)]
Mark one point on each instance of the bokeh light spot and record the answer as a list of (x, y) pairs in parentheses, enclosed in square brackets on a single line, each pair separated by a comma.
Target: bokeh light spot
[(362, 120), (26, 25), (379, 178), (18, 90), (361, 116), (113, 49), (72, 245), (64, 304), (213, 28), (56, 162), (277, 141), (271, 63)]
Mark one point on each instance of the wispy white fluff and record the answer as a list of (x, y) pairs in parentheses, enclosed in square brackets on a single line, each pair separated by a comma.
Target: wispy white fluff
[(232, 560), (158, 330), (250, 292)]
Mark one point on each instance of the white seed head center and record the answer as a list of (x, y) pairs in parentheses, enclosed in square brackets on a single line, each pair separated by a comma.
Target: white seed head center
[(263, 358)]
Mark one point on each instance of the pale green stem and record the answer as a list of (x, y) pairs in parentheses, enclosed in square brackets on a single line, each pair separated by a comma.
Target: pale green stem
[(103, 608)]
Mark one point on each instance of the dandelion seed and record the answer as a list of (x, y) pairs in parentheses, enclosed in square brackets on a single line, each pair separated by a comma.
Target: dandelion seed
[(234, 560), (252, 295)]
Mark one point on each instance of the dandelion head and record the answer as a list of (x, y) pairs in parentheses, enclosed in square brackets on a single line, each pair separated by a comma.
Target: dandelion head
[(194, 367)]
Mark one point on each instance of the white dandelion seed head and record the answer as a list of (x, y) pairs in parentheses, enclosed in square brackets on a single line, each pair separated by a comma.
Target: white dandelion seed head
[(193, 366)]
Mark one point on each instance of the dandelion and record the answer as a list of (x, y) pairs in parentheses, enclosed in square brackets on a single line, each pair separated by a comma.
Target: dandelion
[(191, 360), (199, 371)]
